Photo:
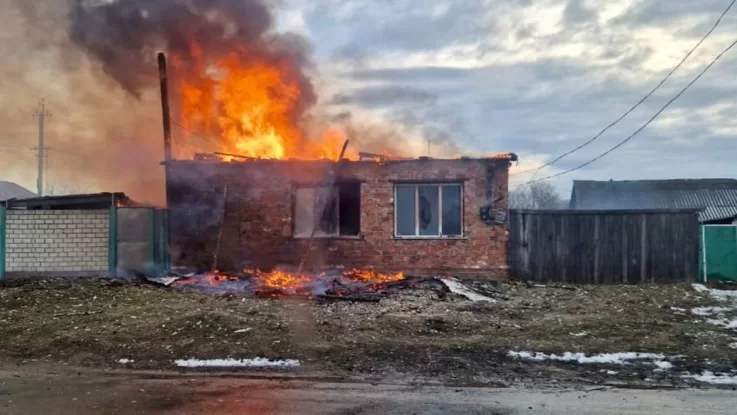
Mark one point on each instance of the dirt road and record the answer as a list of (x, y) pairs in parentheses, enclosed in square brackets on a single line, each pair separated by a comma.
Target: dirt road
[(88, 394)]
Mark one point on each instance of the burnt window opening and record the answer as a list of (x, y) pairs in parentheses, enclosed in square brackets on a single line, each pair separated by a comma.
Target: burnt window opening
[(332, 211), (428, 210)]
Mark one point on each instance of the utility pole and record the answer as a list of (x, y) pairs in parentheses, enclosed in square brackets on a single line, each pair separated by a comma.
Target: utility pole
[(41, 114)]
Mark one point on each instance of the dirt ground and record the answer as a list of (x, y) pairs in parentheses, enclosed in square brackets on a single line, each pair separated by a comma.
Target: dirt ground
[(421, 333), (95, 393)]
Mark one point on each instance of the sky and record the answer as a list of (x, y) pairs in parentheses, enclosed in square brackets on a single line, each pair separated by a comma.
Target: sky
[(536, 78)]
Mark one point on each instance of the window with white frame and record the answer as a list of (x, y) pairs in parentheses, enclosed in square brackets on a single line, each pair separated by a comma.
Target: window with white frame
[(428, 210)]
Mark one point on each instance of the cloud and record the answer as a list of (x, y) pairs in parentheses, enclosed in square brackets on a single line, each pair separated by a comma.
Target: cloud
[(539, 78), (381, 96), (478, 76)]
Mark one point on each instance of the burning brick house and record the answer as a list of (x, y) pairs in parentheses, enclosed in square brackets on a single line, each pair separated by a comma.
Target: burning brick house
[(422, 216)]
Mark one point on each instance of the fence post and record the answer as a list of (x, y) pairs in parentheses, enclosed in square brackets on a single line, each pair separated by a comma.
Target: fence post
[(165, 239), (596, 248), (643, 248), (2, 241), (112, 248), (153, 267)]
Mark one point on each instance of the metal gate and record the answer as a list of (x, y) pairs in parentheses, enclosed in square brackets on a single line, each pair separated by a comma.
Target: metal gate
[(718, 253), (138, 241)]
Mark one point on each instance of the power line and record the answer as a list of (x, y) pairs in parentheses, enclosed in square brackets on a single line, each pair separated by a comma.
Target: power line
[(648, 95), (631, 136)]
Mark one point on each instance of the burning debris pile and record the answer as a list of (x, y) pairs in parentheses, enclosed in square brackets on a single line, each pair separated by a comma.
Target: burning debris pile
[(284, 283), (351, 285)]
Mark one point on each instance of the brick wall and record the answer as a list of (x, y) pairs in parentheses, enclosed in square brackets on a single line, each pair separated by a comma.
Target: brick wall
[(257, 225), (59, 241)]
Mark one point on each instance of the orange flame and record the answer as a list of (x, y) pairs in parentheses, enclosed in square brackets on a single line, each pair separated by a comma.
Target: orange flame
[(253, 105), (290, 282), (282, 280), (373, 277), (215, 278)]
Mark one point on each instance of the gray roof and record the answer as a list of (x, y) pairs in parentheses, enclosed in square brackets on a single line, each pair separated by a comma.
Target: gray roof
[(717, 197), (10, 190)]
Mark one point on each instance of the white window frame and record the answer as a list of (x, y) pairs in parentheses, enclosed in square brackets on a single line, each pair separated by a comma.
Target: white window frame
[(417, 186)]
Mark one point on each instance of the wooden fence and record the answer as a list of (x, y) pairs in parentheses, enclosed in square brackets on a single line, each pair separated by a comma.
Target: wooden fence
[(604, 247)]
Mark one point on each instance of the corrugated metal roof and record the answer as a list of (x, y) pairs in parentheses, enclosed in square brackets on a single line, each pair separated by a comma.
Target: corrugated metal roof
[(718, 197)]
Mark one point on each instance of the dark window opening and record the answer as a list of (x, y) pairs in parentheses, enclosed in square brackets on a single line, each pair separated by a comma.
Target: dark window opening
[(338, 208)]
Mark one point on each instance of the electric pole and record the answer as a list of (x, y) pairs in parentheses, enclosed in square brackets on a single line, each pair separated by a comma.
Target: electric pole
[(41, 114)]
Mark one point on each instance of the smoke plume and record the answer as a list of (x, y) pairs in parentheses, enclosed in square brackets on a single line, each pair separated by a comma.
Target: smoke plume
[(94, 62), (124, 35)]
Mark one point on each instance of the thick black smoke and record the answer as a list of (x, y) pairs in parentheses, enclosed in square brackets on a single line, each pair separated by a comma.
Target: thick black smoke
[(125, 35)]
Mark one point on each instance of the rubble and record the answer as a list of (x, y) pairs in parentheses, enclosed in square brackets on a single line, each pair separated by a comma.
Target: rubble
[(456, 287), (331, 285)]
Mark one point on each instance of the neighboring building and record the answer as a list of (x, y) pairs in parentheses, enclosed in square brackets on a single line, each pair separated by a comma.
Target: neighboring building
[(80, 235), (71, 202), (10, 190), (717, 198), (422, 216)]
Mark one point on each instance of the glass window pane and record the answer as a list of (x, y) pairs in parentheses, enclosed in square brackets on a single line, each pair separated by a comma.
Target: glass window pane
[(304, 208), (429, 216), (326, 204), (452, 210), (405, 205)]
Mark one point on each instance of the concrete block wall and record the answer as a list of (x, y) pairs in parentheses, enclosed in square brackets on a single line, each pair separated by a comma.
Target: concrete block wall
[(57, 241)]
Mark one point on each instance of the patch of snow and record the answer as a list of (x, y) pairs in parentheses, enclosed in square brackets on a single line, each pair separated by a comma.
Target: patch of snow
[(663, 365), (730, 300), (246, 330), (256, 362), (611, 372), (579, 334), (720, 294), (707, 311), (125, 361), (678, 309), (456, 287), (733, 345), (610, 358), (723, 322), (714, 379), (700, 288)]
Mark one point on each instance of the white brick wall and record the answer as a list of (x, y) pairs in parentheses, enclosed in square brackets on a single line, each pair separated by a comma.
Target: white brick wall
[(57, 240)]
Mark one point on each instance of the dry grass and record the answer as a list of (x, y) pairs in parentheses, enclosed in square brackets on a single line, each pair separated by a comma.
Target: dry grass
[(423, 331)]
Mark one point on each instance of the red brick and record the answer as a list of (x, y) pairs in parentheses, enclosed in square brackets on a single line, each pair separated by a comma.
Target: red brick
[(257, 225)]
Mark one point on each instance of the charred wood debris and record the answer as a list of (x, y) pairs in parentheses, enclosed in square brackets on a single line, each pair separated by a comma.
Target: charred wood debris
[(334, 288)]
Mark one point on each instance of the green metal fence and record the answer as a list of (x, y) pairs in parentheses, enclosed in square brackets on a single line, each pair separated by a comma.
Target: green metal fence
[(138, 240), (718, 255)]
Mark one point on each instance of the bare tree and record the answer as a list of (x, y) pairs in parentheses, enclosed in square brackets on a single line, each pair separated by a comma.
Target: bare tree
[(540, 195)]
